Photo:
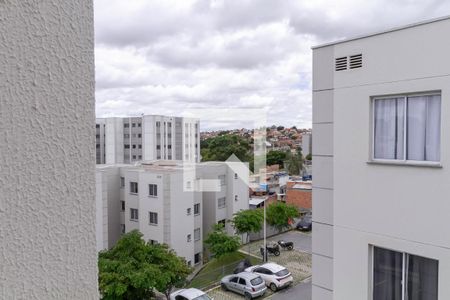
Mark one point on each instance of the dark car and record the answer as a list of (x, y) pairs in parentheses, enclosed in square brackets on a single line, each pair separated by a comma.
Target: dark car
[(242, 265), (305, 224)]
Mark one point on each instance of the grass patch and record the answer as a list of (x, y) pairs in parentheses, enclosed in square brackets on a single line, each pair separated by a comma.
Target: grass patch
[(214, 270)]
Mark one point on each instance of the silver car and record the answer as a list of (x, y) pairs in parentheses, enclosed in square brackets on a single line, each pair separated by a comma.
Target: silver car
[(250, 285)]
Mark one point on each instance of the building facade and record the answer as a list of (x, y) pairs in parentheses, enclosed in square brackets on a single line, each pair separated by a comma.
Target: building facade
[(150, 137), (46, 154), (381, 115), (169, 202)]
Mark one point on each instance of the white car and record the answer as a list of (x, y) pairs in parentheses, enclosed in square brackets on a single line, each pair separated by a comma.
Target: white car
[(275, 276), (189, 294)]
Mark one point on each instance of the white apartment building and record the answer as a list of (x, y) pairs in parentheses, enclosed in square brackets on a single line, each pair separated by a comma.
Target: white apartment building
[(381, 157), (169, 202), (150, 137)]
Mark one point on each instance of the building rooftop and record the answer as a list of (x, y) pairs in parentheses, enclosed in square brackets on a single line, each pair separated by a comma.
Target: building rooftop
[(382, 32)]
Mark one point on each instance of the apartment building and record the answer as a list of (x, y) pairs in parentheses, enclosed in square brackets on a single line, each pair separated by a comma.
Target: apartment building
[(150, 137), (381, 115), (169, 202)]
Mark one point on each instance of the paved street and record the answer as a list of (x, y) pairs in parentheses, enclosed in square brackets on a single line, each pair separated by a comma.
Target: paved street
[(301, 291), (302, 240)]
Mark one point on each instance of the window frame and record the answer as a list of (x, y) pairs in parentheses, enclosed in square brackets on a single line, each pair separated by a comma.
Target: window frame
[(404, 161), (131, 215), (198, 212), (155, 215), (137, 188), (199, 234), (224, 202), (404, 279), (155, 190)]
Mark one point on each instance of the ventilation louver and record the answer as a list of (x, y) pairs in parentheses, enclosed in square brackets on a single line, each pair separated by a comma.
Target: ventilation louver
[(355, 61), (341, 63)]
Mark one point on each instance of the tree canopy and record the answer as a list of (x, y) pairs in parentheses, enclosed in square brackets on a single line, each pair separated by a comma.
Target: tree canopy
[(276, 157), (220, 243), (279, 215), (133, 269), (294, 162), (221, 147), (246, 221)]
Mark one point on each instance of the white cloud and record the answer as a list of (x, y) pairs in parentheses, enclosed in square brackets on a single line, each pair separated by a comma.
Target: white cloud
[(166, 57)]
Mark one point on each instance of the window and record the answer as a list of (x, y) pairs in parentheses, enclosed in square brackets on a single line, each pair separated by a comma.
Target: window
[(188, 185), (134, 214), (407, 128), (133, 125), (189, 263), (139, 124), (158, 147), (122, 182), (126, 136), (189, 238), (134, 156), (221, 202), (126, 125), (197, 209), (139, 135), (188, 211), (221, 222), (197, 258), (153, 242), (133, 135), (153, 190), (122, 228), (234, 279), (139, 146), (126, 146), (97, 136), (402, 276), (153, 218), (122, 204), (241, 281), (222, 179), (235, 175), (140, 156), (134, 146), (169, 147), (236, 198), (197, 234), (133, 187), (97, 125), (158, 124)]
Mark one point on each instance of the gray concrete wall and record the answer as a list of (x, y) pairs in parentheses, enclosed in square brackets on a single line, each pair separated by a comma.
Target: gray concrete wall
[(47, 150)]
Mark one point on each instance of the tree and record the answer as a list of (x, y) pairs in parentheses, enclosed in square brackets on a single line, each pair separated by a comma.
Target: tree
[(134, 269), (221, 147), (275, 157), (247, 221), (220, 243), (294, 162), (308, 157), (279, 215)]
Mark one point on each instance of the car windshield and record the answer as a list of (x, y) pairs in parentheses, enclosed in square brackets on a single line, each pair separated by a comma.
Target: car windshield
[(202, 297), (256, 281), (283, 272)]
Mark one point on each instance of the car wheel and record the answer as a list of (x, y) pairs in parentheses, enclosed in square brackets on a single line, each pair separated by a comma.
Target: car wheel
[(290, 247), (224, 286), (273, 287), (247, 296), (276, 252)]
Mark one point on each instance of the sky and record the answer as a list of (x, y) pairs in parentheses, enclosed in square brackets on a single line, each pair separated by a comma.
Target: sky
[(217, 59)]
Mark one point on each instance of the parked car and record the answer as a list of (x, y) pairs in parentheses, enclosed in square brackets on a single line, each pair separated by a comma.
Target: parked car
[(242, 265), (305, 224), (251, 285), (275, 276), (189, 294)]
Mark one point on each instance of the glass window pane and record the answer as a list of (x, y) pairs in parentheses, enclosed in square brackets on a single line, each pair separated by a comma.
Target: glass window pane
[(389, 128), (387, 274), (422, 283)]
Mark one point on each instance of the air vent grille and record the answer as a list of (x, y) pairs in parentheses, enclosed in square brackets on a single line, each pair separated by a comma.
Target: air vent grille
[(355, 61), (341, 63)]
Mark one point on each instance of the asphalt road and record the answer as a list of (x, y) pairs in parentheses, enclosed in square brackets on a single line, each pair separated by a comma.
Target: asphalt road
[(302, 241), (301, 291)]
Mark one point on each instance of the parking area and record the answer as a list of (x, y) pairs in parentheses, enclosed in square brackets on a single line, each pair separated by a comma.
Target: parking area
[(298, 261)]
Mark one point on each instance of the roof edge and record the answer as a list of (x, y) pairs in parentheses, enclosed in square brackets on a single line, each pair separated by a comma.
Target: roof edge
[(393, 29)]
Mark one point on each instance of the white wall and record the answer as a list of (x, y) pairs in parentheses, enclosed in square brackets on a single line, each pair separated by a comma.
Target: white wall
[(403, 208), (47, 154)]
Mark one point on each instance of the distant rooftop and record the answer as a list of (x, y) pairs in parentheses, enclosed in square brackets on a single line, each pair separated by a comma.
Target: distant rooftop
[(381, 32)]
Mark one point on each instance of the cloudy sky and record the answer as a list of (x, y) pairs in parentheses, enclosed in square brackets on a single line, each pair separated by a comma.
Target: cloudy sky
[(173, 57)]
